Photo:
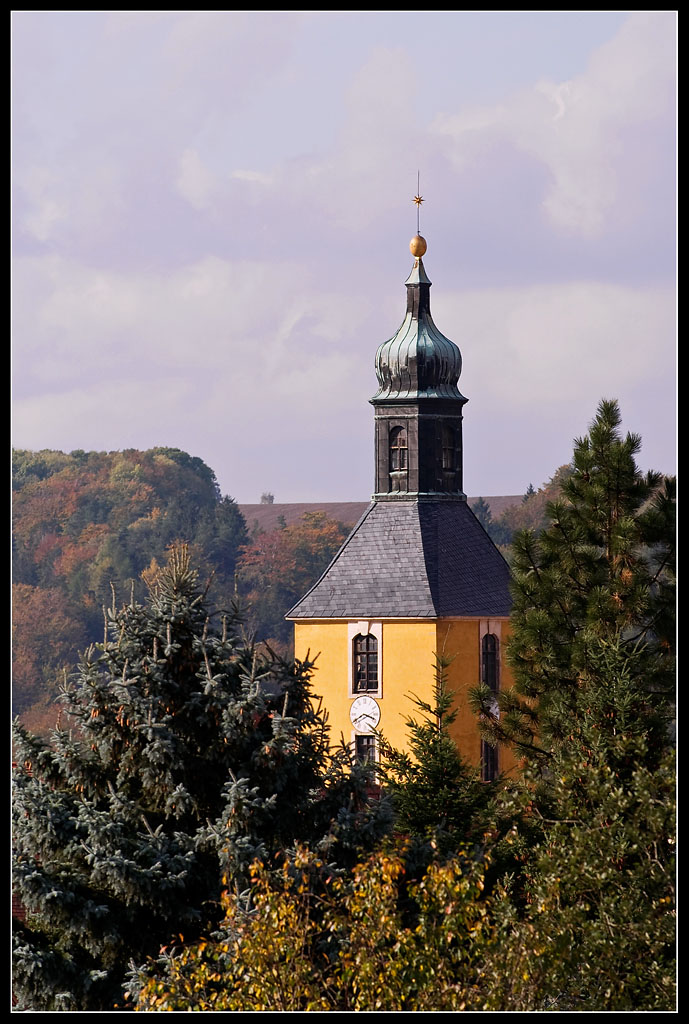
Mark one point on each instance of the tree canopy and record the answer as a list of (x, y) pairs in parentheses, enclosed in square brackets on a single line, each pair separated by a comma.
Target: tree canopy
[(187, 816), (602, 569), (85, 520), (276, 568), (592, 651), (184, 755)]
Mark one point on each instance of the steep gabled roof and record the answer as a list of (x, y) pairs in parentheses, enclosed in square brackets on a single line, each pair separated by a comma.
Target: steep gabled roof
[(412, 559)]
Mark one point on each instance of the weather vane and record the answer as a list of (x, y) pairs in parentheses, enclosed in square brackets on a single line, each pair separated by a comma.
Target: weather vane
[(418, 199)]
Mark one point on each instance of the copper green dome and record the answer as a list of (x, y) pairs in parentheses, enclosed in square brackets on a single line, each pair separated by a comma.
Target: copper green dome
[(418, 361)]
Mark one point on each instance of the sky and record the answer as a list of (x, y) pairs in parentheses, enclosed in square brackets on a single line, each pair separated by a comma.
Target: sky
[(211, 224)]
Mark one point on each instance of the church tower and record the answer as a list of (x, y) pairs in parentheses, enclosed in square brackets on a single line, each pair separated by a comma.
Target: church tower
[(418, 576), (418, 407)]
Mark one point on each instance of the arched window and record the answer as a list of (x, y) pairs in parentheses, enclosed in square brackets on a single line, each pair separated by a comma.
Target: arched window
[(365, 663), (398, 449), (489, 662)]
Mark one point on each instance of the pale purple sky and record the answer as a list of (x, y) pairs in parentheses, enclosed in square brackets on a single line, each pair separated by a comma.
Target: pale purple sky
[(212, 214)]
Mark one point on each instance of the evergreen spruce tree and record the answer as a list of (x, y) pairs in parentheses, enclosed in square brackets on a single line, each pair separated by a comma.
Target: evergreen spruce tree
[(596, 928), (592, 650), (435, 793), (496, 529), (481, 510), (602, 569), (189, 755)]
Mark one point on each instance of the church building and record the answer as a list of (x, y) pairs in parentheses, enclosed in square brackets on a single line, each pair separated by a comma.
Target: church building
[(418, 576)]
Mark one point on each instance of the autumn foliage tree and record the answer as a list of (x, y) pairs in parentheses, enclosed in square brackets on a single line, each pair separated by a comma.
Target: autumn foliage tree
[(373, 939), (47, 635), (529, 514), (278, 567), (85, 520)]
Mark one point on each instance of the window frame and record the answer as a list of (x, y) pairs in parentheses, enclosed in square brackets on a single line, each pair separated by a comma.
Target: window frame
[(398, 433), (363, 627), (365, 651), (490, 662), (448, 449), (366, 740)]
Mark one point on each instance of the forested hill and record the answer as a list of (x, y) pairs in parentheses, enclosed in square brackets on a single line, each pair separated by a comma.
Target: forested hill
[(87, 524), (90, 521)]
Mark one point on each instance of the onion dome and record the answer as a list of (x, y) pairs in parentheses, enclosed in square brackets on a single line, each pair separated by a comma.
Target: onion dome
[(418, 361)]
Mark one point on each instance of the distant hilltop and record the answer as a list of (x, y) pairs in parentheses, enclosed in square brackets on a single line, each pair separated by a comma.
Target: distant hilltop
[(268, 516)]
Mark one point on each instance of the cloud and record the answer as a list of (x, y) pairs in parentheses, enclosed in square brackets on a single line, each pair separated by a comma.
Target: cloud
[(560, 343), (249, 328), (586, 131), (225, 353), (182, 278), (370, 163), (45, 212), (116, 121), (195, 183), (537, 361)]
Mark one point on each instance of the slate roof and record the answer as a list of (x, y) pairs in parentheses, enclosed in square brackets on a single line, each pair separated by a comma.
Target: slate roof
[(412, 559)]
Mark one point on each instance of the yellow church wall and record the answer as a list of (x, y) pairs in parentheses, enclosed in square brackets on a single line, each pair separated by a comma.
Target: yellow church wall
[(408, 668), (407, 659), (329, 642), (460, 640)]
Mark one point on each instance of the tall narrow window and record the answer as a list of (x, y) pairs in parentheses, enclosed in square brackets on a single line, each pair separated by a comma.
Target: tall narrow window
[(489, 762), (365, 663), (489, 662), (489, 677), (398, 449), (449, 450), (398, 459), (448, 463)]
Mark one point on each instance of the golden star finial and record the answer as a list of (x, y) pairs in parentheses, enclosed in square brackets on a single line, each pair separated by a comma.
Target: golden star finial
[(418, 199)]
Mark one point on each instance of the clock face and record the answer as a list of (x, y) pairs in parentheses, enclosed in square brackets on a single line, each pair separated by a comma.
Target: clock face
[(364, 714)]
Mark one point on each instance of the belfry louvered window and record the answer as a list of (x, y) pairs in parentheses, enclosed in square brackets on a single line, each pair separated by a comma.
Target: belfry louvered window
[(449, 449), (398, 449), (365, 663)]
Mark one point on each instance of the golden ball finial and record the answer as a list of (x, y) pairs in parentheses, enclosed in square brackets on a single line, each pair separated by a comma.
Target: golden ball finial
[(417, 246)]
